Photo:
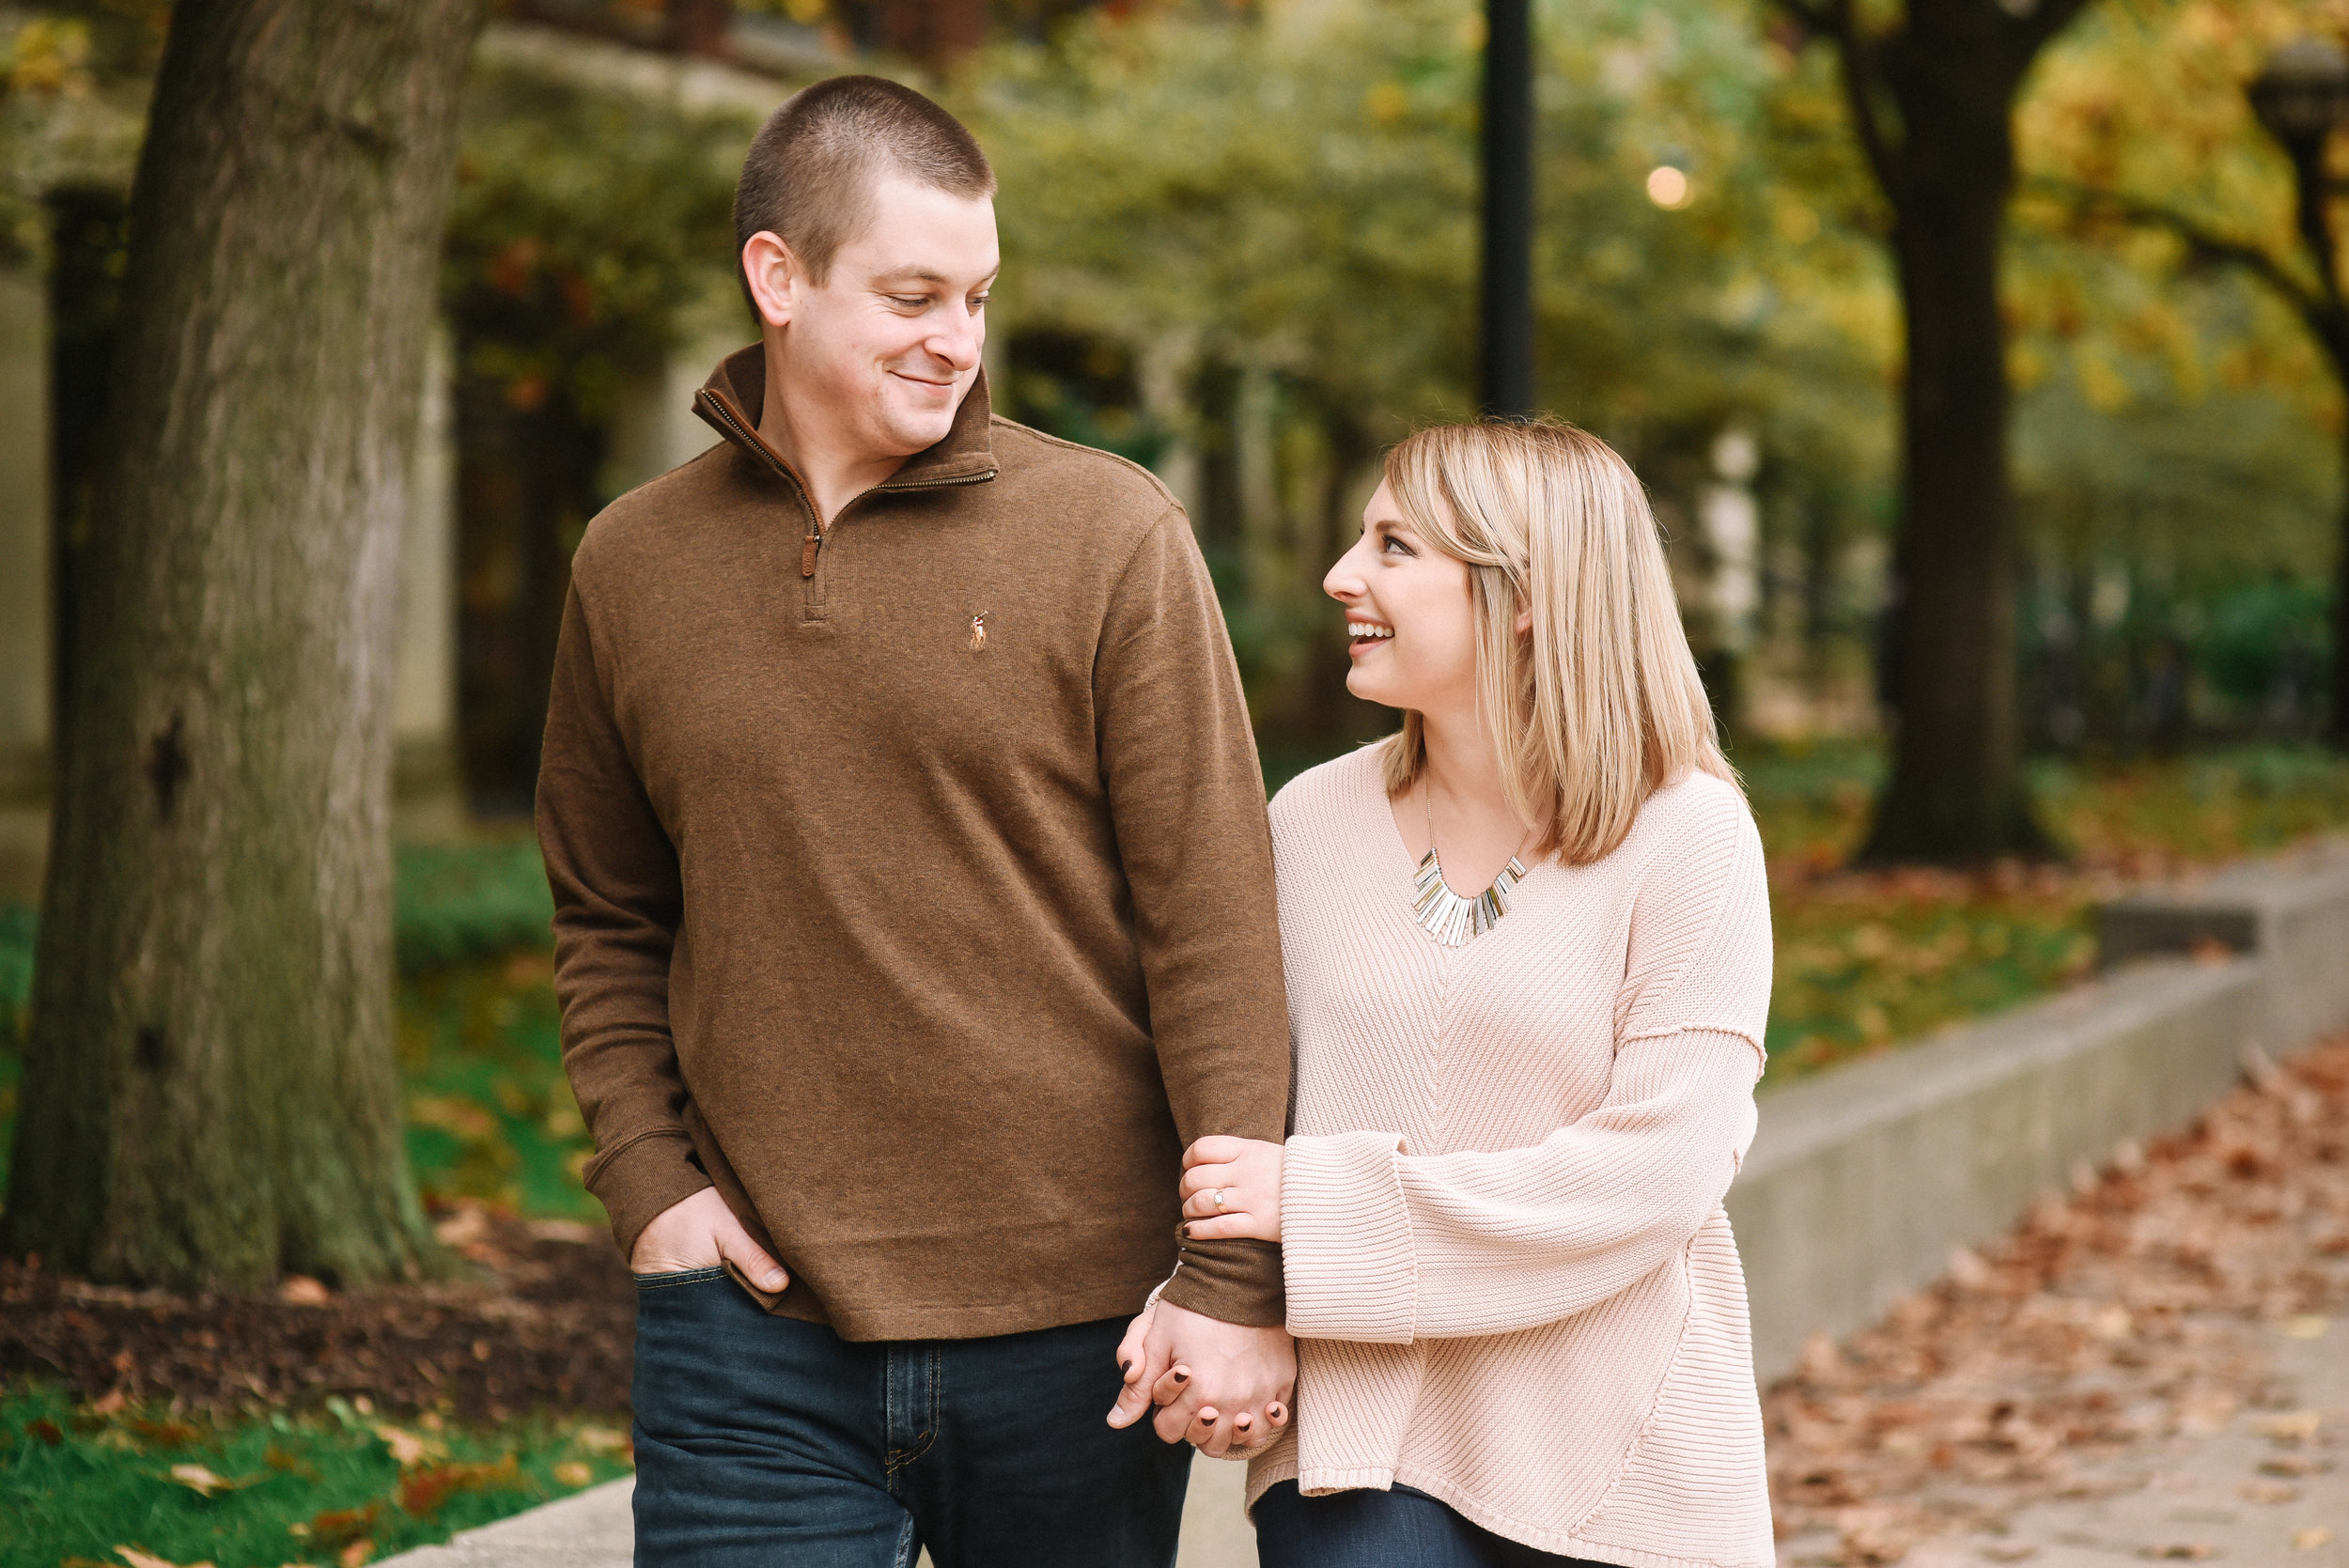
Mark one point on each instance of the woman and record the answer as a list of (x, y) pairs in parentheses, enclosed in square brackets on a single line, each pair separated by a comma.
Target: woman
[(1528, 952)]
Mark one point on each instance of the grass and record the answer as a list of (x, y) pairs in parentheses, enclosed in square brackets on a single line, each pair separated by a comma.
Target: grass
[(489, 1113), (338, 1486), (1868, 960)]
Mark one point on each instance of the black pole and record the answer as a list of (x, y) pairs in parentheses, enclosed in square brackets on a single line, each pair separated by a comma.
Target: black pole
[(1505, 349)]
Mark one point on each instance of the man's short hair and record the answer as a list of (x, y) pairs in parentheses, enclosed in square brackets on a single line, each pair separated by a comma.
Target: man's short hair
[(811, 170)]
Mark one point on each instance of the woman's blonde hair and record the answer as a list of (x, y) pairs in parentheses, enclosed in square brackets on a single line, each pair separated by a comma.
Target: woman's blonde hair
[(1599, 706)]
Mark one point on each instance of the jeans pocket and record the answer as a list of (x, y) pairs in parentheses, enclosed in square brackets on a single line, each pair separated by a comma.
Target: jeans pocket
[(679, 1277)]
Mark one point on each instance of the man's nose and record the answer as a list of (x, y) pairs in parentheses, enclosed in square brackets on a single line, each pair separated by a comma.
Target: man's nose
[(958, 343)]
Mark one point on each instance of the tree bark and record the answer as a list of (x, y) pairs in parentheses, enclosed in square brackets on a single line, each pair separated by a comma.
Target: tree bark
[(2337, 726), (208, 1096), (1956, 790), (1933, 104)]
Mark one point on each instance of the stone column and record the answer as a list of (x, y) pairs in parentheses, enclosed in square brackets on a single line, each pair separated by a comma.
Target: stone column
[(656, 429), (425, 776), (27, 623)]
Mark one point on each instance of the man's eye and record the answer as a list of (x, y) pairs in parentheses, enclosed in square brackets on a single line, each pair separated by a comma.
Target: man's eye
[(978, 302), (910, 302)]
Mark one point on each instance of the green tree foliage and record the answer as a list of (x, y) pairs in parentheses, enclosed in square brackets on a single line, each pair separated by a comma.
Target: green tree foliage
[(590, 226), (1284, 211), (585, 227), (2176, 426)]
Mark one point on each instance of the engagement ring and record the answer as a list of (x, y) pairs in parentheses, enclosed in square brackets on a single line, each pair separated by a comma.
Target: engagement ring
[(1218, 1196)]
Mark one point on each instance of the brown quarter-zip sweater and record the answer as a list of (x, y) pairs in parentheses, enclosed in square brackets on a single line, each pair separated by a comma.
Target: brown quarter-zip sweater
[(912, 877)]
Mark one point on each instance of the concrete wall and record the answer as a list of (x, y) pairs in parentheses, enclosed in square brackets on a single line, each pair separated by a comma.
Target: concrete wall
[(2288, 909), (1862, 1181)]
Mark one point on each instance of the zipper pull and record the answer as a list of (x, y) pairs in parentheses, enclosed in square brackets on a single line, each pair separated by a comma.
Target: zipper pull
[(807, 554)]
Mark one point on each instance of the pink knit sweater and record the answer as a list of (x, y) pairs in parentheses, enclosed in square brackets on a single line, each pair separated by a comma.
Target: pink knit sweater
[(1509, 1273)]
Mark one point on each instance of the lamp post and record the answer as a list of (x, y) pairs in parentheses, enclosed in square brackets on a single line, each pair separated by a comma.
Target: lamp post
[(2301, 96), (1506, 337)]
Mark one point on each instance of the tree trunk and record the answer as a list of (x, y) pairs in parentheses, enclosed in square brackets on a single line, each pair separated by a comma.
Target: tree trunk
[(1955, 791), (2337, 726), (208, 1094)]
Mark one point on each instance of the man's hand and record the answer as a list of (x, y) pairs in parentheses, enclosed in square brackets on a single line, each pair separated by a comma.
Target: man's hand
[(1245, 1174), (701, 1232), (1222, 1386)]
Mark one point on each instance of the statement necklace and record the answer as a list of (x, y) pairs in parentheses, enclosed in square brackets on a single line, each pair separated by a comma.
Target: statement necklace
[(1444, 915)]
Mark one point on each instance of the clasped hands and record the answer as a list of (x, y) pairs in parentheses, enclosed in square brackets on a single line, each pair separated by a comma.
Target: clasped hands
[(1225, 1387), (1222, 1386)]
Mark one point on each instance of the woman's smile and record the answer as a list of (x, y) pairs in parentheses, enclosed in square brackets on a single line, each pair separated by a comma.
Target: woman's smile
[(1363, 635)]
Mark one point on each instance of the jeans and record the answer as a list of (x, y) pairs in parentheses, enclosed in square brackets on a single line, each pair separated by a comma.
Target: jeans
[(763, 1440), (1401, 1529)]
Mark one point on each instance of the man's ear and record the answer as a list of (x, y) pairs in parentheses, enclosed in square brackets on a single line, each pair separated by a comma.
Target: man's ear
[(775, 277)]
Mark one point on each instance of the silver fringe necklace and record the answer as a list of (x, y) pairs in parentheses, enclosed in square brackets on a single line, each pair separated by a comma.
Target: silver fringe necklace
[(1444, 915)]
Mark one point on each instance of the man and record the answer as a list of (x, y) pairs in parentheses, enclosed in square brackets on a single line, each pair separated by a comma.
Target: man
[(914, 912)]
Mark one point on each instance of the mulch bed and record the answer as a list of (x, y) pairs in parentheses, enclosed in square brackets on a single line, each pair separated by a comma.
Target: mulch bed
[(2111, 1317), (546, 1322)]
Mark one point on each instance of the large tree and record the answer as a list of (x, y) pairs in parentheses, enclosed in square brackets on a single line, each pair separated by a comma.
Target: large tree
[(1932, 100), (208, 1095)]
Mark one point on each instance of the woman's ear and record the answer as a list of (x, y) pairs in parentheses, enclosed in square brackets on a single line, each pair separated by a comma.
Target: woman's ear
[(773, 276), (1525, 619)]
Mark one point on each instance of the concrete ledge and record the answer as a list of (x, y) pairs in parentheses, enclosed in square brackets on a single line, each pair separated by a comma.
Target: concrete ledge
[(2292, 910), (1861, 1180), (594, 1528)]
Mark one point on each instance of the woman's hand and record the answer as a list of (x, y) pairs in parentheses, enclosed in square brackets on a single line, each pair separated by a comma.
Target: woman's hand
[(1246, 1172)]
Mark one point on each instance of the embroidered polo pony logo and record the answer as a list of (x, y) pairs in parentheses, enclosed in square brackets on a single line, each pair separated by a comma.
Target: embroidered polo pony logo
[(978, 632)]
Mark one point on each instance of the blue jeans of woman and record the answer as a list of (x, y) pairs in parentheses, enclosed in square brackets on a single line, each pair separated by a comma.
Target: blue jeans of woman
[(765, 1441), (1401, 1529)]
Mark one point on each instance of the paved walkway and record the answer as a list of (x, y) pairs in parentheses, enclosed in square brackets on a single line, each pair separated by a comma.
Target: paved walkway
[(591, 1531), (2267, 1487)]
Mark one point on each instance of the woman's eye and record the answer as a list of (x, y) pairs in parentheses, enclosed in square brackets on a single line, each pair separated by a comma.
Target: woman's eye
[(1397, 546)]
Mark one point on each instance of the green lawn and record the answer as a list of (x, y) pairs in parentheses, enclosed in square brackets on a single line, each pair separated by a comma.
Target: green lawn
[(1867, 960), (76, 1484)]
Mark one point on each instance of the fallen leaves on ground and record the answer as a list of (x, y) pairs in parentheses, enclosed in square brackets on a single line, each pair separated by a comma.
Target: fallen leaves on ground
[(339, 1528), (207, 1484), (2097, 1325), (407, 1449), (422, 1492)]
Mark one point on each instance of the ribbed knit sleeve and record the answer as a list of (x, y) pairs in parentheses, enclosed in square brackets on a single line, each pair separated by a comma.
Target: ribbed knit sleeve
[(617, 902), (1489, 1242), (1346, 1239), (1186, 799)]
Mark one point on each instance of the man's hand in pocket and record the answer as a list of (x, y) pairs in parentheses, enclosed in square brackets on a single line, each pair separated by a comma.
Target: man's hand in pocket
[(702, 1233)]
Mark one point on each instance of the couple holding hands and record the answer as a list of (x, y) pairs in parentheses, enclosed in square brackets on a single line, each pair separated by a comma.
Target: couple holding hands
[(968, 1053)]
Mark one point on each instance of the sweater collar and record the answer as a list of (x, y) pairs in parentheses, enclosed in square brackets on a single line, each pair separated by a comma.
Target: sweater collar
[(730, 402)]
